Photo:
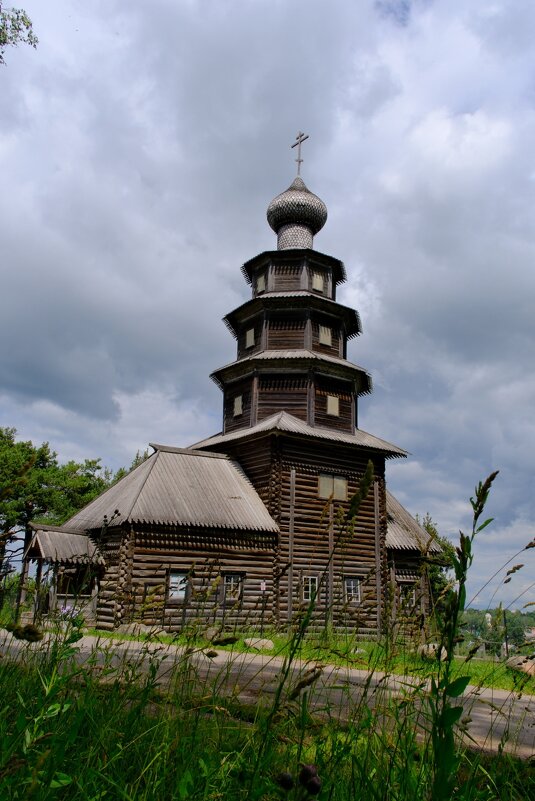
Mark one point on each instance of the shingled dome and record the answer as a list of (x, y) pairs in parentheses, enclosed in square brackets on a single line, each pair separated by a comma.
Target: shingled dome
[(296, 215)]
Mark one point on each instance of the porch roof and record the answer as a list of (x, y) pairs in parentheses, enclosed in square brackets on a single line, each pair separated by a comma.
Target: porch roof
[(60, 546)]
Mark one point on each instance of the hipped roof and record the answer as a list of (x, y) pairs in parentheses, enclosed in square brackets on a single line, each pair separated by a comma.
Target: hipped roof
[(180, 486), (61, 546), (403, 531), (287, 423)]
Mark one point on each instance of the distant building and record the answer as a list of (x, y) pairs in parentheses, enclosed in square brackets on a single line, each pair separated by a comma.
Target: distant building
[(249, 525)]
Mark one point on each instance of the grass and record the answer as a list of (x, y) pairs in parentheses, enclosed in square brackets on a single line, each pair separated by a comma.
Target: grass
[(107, 732), (109, 729), (354, 652)]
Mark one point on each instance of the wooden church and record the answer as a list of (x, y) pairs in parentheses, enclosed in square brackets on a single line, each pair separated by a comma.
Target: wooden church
[(250, 525)]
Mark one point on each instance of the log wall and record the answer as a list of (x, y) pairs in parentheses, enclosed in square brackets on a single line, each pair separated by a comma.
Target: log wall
[(205, 556)]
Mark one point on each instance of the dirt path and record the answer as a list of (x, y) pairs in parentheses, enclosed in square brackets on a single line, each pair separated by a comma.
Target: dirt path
[(492, 718)]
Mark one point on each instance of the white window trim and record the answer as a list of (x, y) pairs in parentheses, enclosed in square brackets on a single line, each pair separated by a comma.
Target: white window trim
[(177, 586), (233, 580), (309, 588), (352, 597)]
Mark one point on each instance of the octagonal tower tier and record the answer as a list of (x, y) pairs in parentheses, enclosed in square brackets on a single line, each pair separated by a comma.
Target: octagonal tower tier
[(292, 335)]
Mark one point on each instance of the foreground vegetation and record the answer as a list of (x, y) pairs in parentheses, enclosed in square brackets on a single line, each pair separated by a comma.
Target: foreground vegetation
[(104, 730)]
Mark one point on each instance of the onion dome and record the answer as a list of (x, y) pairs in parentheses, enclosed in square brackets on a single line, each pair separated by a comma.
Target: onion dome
[(296, 215)]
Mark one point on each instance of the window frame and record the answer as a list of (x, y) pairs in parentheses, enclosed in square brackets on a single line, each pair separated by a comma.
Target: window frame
[(237, 407), (333, 401), (350, 597), (336, 483), (317, 278), (184, 582), (260, 283), (240, 582), (325, 335), (250, 339), (307, 581)]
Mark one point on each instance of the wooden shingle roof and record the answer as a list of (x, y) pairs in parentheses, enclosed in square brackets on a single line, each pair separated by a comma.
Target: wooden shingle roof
[(404, 532), (284, 422), (180, 486)]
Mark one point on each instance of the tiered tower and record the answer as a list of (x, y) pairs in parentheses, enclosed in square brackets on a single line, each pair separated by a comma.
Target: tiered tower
[(292, 335), (290, 420)]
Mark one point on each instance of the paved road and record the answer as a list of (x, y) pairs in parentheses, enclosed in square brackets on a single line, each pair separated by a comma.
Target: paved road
[(491, 717)]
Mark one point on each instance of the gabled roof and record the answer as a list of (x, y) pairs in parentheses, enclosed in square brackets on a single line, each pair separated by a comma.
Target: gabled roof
[(287, 423), (180, 486), (403, 532), (60, 546)]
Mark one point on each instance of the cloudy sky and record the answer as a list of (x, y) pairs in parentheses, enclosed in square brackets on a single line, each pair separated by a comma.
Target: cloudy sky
[(140, 145)]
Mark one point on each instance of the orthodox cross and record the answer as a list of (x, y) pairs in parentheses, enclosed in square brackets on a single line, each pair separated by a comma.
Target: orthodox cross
[(299, 139)]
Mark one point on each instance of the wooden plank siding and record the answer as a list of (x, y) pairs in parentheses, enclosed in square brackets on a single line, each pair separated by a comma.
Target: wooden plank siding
[(286, 277), (279, 393), (336, 346), (344, 421), (285, 333), (232, 422), (244, 351)]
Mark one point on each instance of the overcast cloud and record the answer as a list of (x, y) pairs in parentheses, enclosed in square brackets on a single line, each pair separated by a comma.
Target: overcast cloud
[(140, 145)]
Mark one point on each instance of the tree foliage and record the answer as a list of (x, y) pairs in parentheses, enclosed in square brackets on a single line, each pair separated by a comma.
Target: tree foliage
[(15, 28), (34, 486), (437, 566)]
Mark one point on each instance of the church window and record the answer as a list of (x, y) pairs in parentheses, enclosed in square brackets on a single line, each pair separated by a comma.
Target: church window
[(261, 283), (330, 486), (333, 405), (317, 281), (309, 588), (238, 405), (177, 586), (326, 337), (233, 587), (352, 589), (407, 595), (249, 338)]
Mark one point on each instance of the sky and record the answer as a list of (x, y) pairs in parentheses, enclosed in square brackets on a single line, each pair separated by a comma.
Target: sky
[(140, 145)]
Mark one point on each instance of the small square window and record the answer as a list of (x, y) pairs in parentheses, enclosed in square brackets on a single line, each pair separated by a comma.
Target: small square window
[(310, 587), (326, 336), (333, 405), (249, 338), (317, 281), (177, 587), (407, 595), (261, 282), (332, 486), (238, 405), (232, 587), (352, 590)]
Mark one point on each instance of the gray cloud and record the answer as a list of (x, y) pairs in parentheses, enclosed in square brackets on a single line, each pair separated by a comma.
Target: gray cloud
[(139, 148)]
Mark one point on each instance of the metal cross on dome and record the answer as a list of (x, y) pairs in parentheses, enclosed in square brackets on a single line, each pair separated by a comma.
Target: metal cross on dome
[(299, 139)]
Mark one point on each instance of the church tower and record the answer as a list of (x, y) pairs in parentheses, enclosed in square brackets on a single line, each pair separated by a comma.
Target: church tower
[(290, 418)]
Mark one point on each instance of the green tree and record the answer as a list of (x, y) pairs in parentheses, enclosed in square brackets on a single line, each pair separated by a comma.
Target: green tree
[(437, 565), (15, 28), (35, 487)]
